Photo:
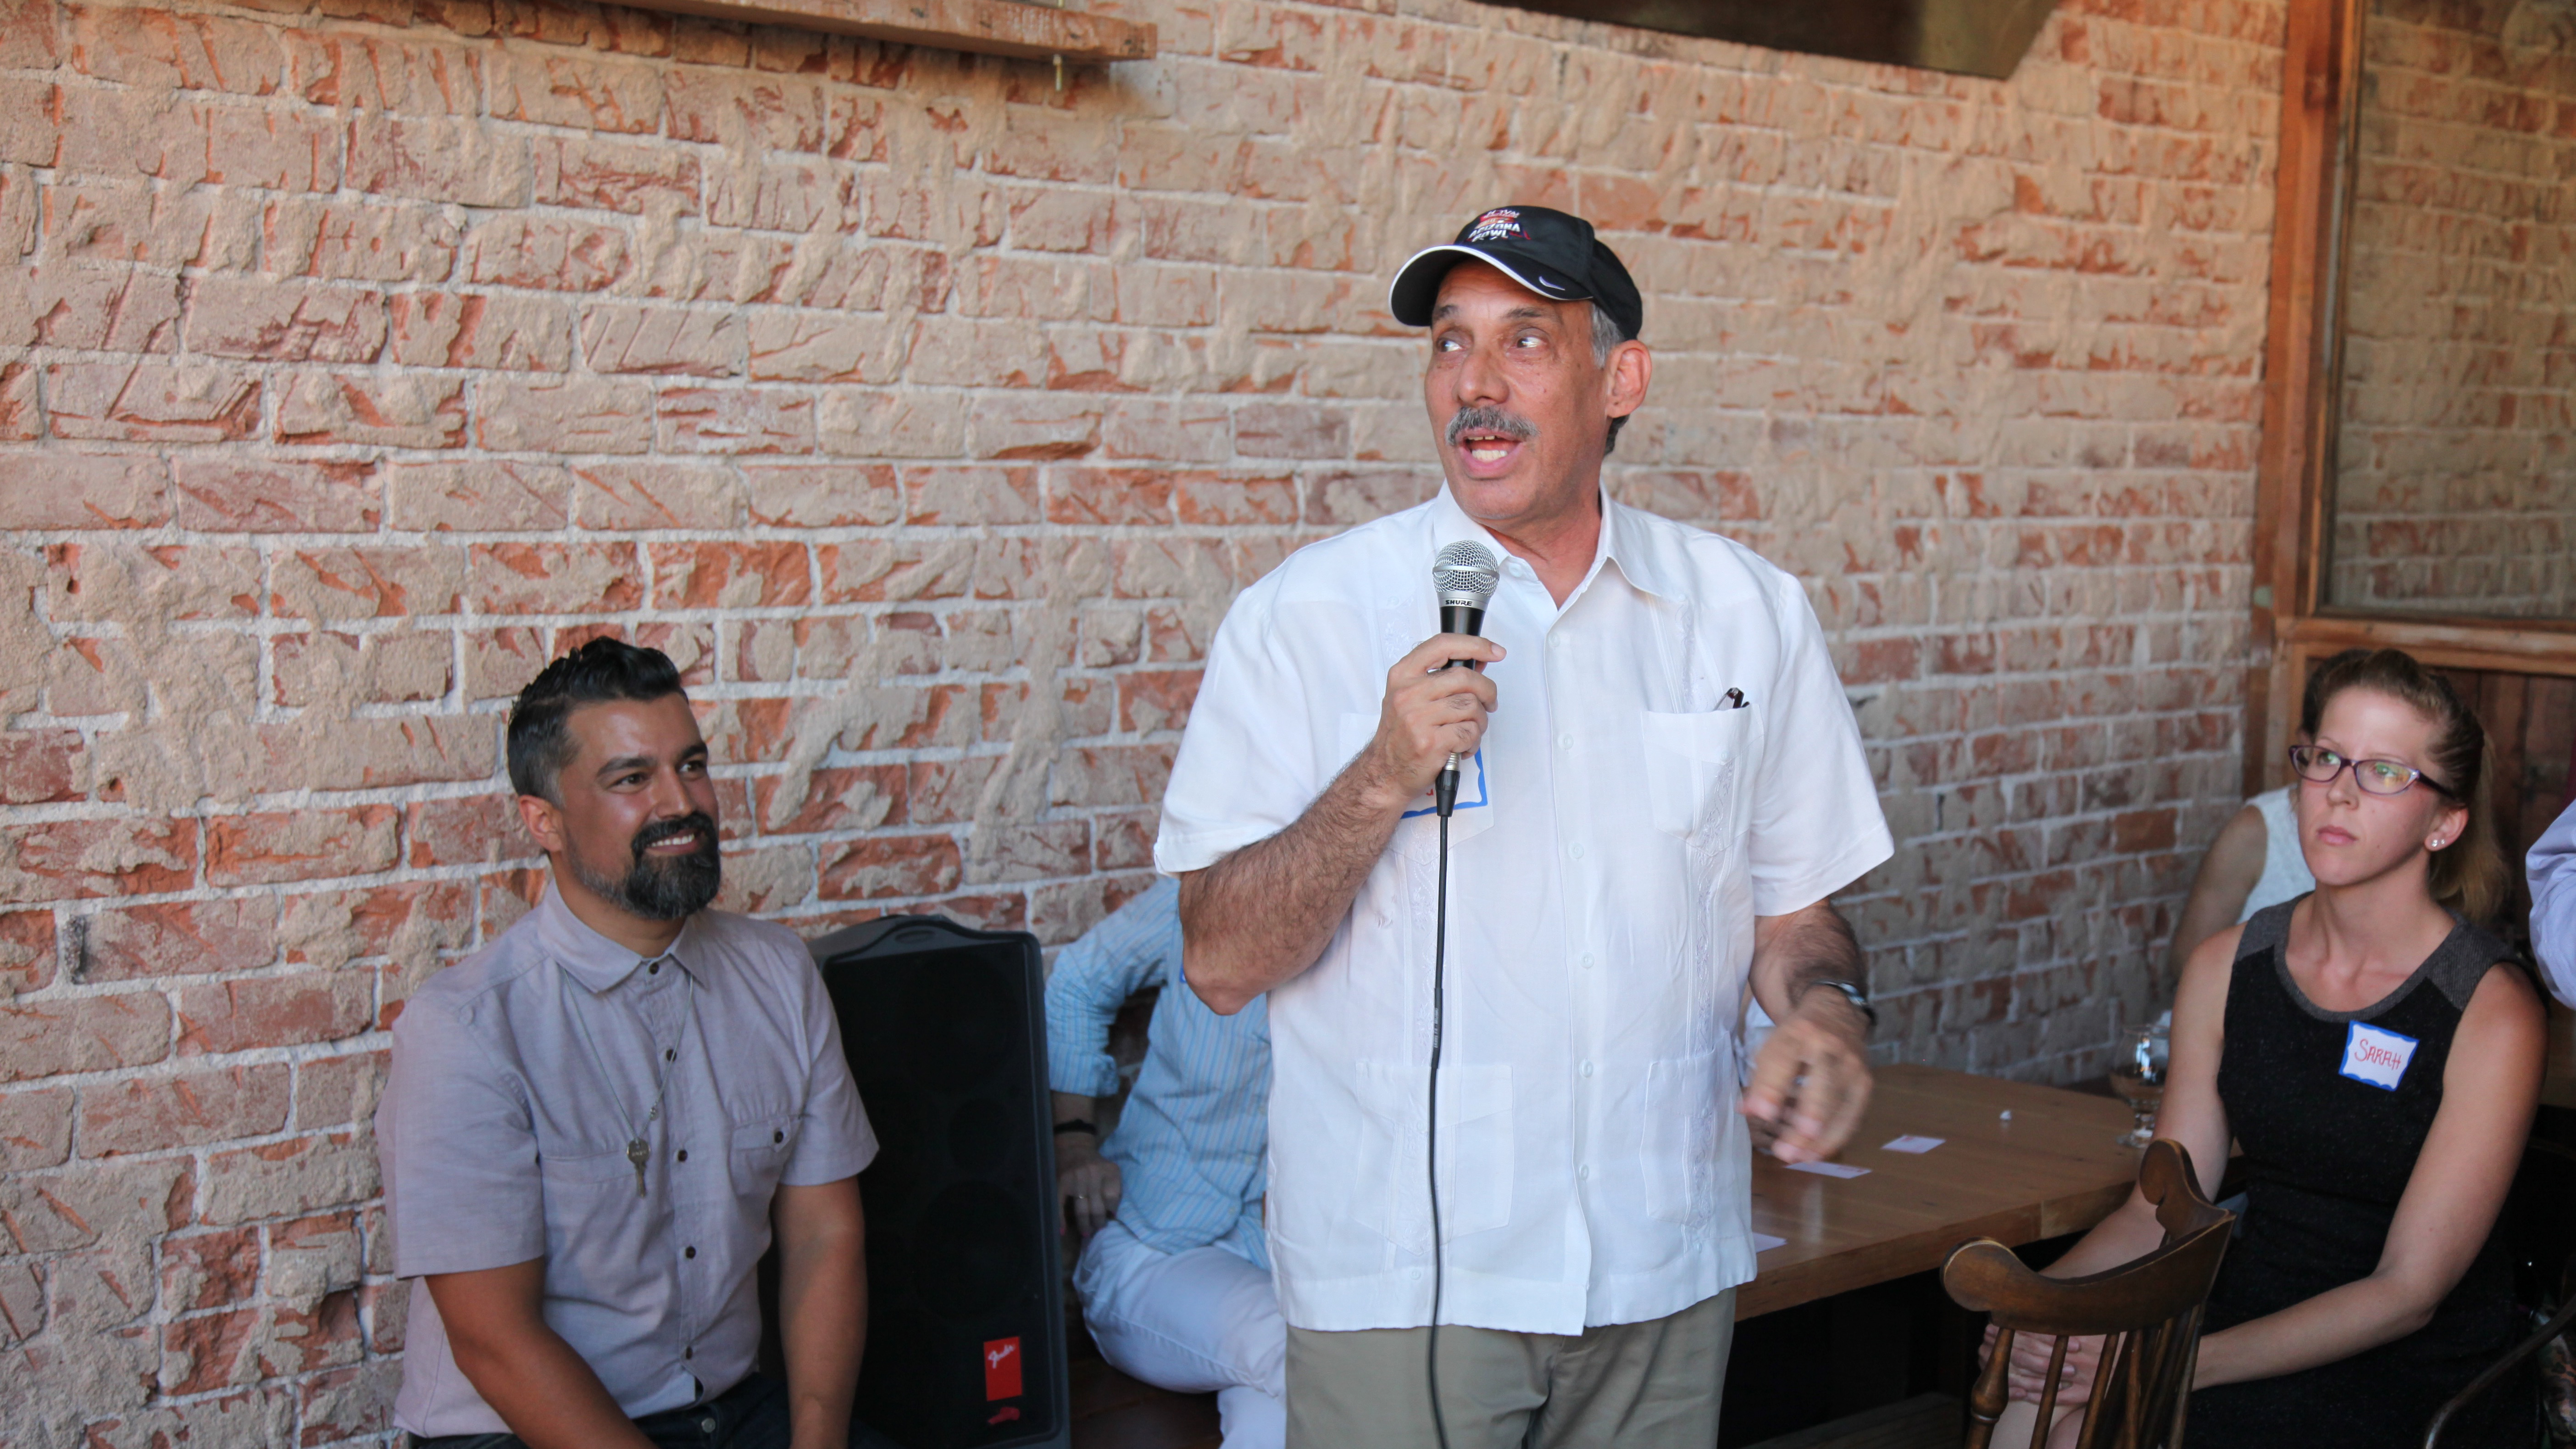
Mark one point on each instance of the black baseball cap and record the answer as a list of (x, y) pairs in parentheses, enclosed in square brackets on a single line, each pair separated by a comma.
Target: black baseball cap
[(1549, 252)]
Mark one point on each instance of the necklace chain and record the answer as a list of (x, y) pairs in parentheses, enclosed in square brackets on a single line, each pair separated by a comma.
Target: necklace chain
[(639, 1150)]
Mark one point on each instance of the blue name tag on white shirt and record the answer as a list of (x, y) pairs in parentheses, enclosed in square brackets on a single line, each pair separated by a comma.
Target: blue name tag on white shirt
[(1471, 788), (2376, 1055)]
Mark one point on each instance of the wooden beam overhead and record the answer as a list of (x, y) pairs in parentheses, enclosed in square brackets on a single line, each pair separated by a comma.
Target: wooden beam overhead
[(2520, 646), (1964, 37), (985, 27)]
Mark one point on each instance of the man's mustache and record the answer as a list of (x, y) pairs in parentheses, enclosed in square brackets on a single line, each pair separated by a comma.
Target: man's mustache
[(654, 834), (1481, 419)]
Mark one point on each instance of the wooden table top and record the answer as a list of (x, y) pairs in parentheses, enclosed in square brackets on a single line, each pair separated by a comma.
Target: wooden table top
[(2053, 1168)]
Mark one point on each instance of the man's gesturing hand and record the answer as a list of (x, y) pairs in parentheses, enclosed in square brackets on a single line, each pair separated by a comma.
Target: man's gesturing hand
[(1811, 1080), (1429, 714)]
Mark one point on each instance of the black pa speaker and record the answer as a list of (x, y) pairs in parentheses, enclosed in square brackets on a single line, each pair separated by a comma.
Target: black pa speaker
[(945, 1027)]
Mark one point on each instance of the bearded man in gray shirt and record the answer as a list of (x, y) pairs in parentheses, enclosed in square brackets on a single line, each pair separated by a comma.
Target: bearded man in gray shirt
[(593, 1123)]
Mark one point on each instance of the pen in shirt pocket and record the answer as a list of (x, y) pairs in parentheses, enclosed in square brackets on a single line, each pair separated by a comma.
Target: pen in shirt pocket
[(1732, 699)]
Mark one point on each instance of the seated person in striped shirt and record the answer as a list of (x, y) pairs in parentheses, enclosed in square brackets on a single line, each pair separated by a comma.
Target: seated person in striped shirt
[(1175, 1275)]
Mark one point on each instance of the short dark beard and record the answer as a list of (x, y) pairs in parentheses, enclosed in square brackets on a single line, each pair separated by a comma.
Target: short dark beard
[(659, 889), (1482, 419)]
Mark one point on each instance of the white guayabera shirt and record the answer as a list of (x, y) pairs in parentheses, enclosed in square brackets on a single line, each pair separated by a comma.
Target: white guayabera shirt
[(1619, 832)]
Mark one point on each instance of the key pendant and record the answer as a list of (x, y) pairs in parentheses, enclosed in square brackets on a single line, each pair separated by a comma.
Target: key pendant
[(636, 1153)]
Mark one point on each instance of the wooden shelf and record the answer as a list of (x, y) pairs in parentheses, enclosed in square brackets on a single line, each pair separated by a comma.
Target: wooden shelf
[(2520, 646), (985, 27)]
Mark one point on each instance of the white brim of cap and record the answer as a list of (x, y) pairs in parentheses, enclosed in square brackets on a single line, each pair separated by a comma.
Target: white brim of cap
[(1554, 294)]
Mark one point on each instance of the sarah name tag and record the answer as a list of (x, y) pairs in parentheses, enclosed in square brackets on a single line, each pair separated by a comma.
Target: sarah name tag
[(2376, 1056)]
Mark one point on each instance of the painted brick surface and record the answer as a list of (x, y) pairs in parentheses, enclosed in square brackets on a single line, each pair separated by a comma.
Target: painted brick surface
[(359, 355), (2455, 462)]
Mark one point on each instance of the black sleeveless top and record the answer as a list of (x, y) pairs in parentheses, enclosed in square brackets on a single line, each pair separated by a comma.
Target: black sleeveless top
[(2332, 1108)]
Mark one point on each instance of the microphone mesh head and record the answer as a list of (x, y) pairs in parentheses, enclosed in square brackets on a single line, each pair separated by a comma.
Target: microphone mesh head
[(1465, 573)]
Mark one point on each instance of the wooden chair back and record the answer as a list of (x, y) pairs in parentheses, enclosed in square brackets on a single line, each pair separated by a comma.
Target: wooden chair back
[(2149, 1309)]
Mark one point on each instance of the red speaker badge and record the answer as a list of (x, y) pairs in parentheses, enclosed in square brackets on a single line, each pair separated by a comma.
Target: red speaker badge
[(1001, 1369)]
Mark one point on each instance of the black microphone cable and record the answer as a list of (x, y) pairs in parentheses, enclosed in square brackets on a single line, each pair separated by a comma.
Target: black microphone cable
[(1447, 796)]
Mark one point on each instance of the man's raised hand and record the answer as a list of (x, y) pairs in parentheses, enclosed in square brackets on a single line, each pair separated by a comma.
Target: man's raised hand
[(1430, 713)]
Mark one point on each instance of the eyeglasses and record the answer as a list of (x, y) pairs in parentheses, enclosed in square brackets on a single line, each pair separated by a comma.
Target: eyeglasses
[(2319, 766)]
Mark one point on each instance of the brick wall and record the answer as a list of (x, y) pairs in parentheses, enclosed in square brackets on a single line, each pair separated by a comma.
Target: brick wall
[(361, 354), (2455, 469), (2456, 457)]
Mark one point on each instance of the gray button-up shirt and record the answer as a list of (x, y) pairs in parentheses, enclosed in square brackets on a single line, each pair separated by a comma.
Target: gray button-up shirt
[(520, 1075)]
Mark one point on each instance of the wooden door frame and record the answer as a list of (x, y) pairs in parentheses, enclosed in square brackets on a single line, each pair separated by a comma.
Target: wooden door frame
[(2320, 85)]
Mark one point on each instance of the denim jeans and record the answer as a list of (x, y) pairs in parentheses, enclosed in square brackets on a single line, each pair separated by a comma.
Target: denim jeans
[(750, 1415)]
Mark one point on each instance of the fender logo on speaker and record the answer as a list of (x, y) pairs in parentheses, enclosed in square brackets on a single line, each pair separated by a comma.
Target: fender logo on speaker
[(1002, 1369)]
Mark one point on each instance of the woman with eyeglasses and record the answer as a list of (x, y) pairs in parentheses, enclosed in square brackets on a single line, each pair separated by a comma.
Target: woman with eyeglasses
[(2378, 1058)]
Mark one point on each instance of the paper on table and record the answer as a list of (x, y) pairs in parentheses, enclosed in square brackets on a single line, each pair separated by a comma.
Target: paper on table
[(1911, 1143), (1829, 1169), (1764, 1242)]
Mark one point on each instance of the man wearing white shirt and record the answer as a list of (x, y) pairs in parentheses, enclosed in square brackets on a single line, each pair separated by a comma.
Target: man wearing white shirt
[(1662, 785)]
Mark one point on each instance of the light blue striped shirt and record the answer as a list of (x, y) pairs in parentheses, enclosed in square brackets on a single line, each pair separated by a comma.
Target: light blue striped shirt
[(1190, 1143)]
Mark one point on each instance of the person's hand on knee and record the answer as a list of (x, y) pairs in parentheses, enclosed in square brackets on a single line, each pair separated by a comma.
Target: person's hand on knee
[(1087, 1180)]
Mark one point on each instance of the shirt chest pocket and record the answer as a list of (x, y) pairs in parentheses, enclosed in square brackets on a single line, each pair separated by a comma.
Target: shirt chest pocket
[(1696, 767), (760, 1149), (579, 1170), (590, 1196)]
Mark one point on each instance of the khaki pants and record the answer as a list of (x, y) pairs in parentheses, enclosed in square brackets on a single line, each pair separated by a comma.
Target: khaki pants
[(1648, 1385)]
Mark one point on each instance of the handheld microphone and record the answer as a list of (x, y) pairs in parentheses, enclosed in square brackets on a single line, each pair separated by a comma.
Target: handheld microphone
[(1465, 575)]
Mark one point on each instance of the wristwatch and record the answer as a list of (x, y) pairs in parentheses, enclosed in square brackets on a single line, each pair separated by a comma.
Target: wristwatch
[(1853, 992)]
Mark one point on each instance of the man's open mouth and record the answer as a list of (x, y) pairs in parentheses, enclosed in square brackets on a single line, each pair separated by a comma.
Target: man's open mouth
[(1488, 435)]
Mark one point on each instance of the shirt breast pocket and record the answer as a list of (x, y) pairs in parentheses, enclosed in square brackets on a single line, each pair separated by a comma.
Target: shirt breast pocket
[(760, 1152), (583, 1194), (1695, 768), (575, 1171)]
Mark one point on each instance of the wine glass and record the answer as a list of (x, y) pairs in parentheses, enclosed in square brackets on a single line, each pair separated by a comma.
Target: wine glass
[(2138, 1075)]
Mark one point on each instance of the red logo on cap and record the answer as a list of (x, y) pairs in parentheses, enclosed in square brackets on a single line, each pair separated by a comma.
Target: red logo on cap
[(1496, 225), (1002, 1369)]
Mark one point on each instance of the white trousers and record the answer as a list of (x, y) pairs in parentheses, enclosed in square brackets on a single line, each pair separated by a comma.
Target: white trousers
[(1192, 1322)]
